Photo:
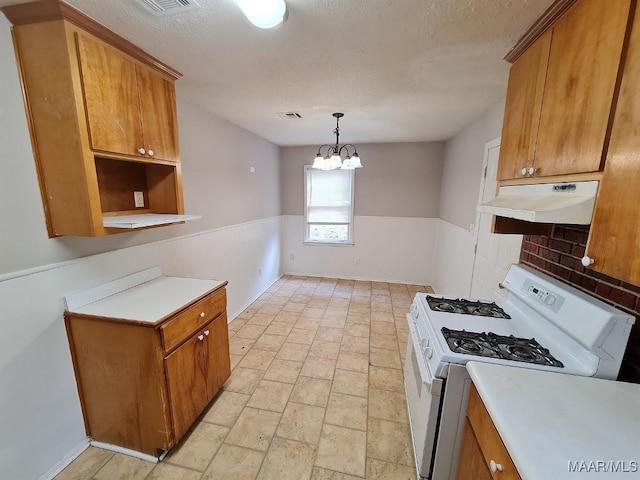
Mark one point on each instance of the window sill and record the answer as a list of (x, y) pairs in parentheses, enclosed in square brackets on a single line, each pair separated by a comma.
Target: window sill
[(331, 244)]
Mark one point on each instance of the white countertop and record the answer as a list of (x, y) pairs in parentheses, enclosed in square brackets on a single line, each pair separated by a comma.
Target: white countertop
[(150, 301), (547, 420)]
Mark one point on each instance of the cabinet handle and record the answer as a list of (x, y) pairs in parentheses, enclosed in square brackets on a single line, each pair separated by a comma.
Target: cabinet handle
[(523, 171), (495, 467), (200, 337), (532, 171), (586, 261), (206, 333), (202, 314), (150, 152), (142, 151)]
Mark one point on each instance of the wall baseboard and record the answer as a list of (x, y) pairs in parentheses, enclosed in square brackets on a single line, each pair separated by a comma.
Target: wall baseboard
[(66, 460), (233, 316), (360, 279)]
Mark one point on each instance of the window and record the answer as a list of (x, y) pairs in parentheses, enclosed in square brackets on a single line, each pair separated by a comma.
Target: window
[(328, 207)]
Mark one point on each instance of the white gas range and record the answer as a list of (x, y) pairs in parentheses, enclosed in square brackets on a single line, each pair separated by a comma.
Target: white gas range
[(541, 323)]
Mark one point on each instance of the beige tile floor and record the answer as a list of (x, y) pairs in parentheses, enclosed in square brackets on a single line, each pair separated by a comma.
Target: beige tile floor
[(316, 392)]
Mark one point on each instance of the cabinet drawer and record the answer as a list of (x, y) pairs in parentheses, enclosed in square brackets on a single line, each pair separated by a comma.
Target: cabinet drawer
[(489, 438), (176, 330)]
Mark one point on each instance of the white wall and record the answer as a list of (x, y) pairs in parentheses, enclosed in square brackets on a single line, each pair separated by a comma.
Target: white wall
[(396, 207), (461, 179), (237, 240), (389, 249), (40, 420), (453, 260), (462, 171)]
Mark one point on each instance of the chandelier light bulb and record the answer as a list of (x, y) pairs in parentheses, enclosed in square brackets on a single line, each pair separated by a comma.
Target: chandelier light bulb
[(346, 165), (335, 162), (355, 161), (318, 162)]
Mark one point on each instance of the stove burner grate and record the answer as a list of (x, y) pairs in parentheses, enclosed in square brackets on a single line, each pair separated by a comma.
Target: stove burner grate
[(466, 307), (483, 344)]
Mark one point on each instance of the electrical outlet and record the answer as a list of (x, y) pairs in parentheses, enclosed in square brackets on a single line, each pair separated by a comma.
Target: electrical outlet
[(138, 199), (252, 170)]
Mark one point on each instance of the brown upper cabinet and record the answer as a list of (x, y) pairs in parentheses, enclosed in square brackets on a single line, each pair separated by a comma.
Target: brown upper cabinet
[(522, 111), (103, 123), (130, 109), (614, 238), (562, 92)]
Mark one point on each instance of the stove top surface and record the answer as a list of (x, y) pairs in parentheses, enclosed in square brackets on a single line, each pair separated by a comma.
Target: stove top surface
[(466, 307), (552, 350), (505, 347), (549, 326)]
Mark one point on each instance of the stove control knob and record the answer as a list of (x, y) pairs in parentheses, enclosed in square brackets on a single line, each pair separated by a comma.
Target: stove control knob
[(495, 467), (424, 343), (428, 352), (550, 299), (414, 311)]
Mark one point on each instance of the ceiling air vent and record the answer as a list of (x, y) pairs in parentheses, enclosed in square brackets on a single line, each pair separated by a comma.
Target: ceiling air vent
[(290, 114), (166, 7)]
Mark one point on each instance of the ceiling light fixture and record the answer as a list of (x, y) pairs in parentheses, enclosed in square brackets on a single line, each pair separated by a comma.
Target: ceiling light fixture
[(264, 13), (332, 159)]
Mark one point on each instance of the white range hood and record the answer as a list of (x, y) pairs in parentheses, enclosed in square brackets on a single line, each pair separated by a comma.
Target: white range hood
[(570, 203)]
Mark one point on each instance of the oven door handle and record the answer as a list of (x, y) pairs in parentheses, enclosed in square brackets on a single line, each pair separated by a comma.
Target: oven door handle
[(434, 385)]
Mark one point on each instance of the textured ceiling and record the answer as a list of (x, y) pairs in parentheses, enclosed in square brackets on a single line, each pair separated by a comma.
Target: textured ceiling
[(400, 70)]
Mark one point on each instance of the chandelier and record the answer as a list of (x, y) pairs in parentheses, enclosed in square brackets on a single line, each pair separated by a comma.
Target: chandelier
[(332, 159)]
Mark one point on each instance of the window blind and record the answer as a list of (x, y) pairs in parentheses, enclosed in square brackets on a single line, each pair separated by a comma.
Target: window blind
[(328, 206), (329, 196)]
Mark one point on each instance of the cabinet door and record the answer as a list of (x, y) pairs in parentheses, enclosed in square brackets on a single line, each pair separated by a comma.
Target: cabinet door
[(522, 109), (186, 377), (583, 69), (471, 465), (217, 351), (614, 239), (158, 111), (111, 100)]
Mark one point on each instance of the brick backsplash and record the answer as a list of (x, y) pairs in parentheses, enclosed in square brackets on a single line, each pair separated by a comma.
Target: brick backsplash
[(559, 255)]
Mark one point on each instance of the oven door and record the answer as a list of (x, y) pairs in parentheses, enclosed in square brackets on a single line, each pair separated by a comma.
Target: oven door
[(423, 393)]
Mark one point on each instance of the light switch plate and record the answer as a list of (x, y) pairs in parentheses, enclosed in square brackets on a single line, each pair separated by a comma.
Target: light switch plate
[(138, 199)]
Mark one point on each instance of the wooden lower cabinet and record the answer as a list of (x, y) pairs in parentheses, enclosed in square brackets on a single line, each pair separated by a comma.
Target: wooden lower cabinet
[(196, 371), (143, 385), (472, 465), (218, 360), (483, 456)]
